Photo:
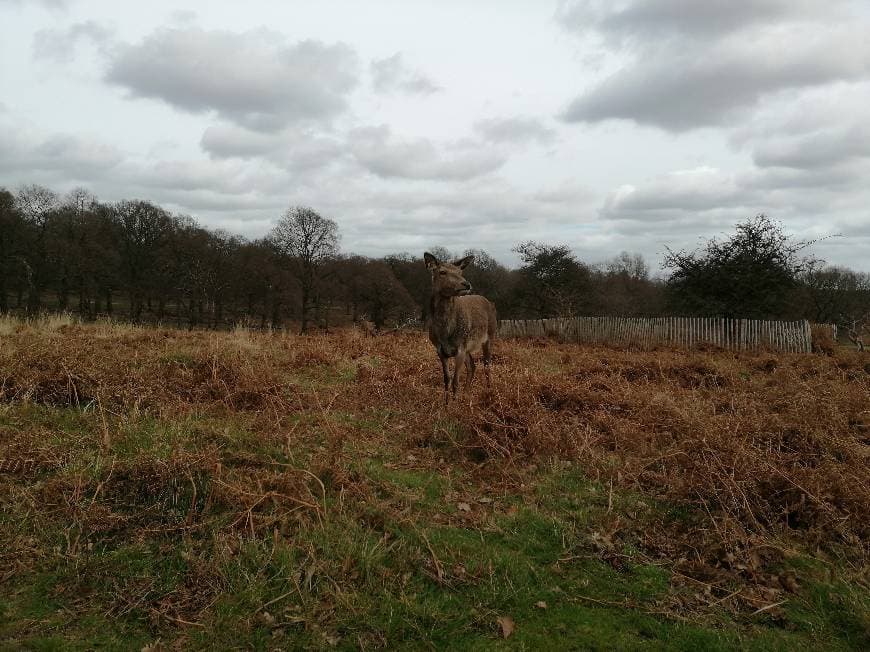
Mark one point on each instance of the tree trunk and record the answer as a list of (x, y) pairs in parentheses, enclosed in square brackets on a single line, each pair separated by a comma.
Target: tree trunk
[(63, 295), (305, 301), (276, 312), (84, 309)]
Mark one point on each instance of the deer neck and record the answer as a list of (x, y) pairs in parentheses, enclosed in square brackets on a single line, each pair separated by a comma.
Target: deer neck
[(444, 311)]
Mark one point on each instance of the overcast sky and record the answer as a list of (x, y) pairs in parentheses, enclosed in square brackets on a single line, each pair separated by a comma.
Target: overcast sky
[(604, 125)]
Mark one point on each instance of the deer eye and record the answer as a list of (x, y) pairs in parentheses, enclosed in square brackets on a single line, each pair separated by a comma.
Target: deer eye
[(443, 272)]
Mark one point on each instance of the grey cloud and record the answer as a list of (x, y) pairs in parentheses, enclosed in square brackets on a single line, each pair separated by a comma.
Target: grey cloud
[(234, 142), (255, 78), (190, 176), (386, 155), (661, 18), (690, 190), (817, 136), (696, 64), (685, 90), (838, 178), (299, 151), (61, 155), (200, 200), (812, 131), (49, 4), (245, 193), (567, 193), (59, 45), (815, 150), (515, 130), (704, 201), (391, 75), (64, 160)]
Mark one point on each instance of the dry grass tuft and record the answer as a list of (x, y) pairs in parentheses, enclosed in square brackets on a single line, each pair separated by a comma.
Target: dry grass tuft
[(822, 341)]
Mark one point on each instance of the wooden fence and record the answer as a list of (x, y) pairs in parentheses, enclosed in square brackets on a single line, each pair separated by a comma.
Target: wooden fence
[(687, 332)]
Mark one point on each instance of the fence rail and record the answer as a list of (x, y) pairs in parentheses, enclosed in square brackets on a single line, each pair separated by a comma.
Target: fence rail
[(687, 332)]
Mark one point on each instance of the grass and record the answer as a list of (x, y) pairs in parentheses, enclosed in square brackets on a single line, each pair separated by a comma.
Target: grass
[(262, 490)]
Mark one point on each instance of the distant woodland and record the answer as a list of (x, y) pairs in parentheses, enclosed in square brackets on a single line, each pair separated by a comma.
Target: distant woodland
[(134, 260)]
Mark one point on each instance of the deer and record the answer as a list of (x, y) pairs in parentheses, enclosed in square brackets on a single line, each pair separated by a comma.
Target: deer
[(366, 327), (461, 325), (855, 331)]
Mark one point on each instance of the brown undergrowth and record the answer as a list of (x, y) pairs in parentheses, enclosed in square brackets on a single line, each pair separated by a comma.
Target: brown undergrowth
[(753, 455)]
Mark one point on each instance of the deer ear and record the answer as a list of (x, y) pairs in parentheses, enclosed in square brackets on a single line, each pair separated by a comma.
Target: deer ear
[(465, 262), (431, 261)]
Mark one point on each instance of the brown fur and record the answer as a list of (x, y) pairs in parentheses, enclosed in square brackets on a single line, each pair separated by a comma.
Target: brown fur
[(460, 325), (855, 331), (366, 327)]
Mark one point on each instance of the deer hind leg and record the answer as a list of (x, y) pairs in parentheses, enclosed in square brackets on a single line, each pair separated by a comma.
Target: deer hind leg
[(469, 363)]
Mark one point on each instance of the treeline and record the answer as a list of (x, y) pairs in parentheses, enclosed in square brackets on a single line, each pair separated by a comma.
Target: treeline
[(134, 260)]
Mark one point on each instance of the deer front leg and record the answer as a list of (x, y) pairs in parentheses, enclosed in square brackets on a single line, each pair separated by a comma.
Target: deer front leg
[(459, 363), (446, 377)]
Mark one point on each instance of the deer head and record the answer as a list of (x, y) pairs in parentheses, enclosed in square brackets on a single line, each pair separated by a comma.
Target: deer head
[(447, 278)]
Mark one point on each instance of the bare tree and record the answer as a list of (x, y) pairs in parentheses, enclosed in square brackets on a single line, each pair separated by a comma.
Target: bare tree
[(835, 294), (309, 240), (37, 204), (553, 283), (11, 242), (488, 277), (143, 230), (629, 265)]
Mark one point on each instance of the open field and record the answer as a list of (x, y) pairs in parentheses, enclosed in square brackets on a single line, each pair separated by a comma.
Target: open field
[(164, 489)]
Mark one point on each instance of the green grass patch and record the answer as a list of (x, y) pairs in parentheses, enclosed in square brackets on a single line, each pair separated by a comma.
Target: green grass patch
[(393, 565)]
